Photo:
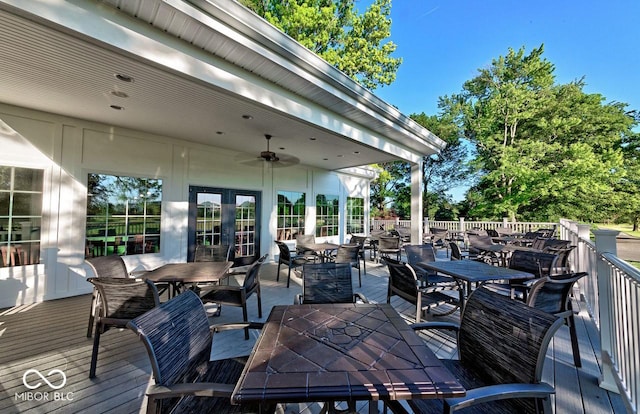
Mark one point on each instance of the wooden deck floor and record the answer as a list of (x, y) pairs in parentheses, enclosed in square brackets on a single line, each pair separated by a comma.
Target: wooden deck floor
[(52, 335)]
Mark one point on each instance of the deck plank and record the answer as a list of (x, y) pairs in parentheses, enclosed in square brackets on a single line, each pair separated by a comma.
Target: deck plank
[(52, 335)]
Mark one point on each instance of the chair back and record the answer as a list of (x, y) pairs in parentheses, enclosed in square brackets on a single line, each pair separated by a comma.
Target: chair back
[(417, 253), (252, 277), (327, 283), (539, 263), (551, 294), (403, 281), (171, 331), (215, 253), (348, 253), (305, 239), (124, 299), (496, 329), (389, 243), (504, 231), (108, 266), (493, 233), (456, 253), (438, 235), (285, 253)]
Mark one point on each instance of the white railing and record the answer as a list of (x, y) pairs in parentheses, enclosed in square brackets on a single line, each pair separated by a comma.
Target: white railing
[(611, 292)]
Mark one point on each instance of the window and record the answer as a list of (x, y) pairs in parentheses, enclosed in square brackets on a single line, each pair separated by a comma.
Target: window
[(123, 215), (291, 207), (327, 215), (355, 215), (20, 215)]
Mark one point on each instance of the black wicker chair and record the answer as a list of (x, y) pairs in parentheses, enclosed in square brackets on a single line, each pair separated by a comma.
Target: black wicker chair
[(178, 339), (502, 345), (404, 282), (120, 300), (111, 266), (349, 253), (552, 295), (327, 283), (238, 295), (292, 260)]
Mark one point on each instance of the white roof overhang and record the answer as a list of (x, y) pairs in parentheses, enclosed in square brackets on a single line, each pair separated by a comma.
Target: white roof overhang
[(198, 66)]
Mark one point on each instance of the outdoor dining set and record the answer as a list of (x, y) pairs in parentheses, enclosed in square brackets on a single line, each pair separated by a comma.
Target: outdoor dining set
[(332, 345)]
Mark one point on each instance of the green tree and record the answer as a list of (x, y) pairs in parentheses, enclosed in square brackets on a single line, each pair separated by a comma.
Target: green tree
[(543, 150), (391, 191), (445, 170), (629, 187), (334, 30)]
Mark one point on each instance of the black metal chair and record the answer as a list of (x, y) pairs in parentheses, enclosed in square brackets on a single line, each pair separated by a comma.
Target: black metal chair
[(552, 294), (350, 254), (216, 253), (179, 340), (292, 260), (120, 300), (389, 246), (327, 283), (403, 282), (111, 266), (238, 295), (364, 246), (502, 345), (417, 253)]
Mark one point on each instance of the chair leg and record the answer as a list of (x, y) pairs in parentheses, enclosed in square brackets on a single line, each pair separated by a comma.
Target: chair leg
[(359, 276), (259, 304), (94, 353), (92, 314), (288, 276), (278, 273), (574, 341), (245, 317)]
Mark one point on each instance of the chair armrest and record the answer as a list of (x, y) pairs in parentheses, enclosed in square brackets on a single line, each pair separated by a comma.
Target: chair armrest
[(199, 389), (360, 296), (451, 326), (497, 392), (220, 327)]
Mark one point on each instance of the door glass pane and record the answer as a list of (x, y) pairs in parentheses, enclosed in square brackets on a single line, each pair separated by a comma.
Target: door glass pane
[(208, 220), (245, 225)]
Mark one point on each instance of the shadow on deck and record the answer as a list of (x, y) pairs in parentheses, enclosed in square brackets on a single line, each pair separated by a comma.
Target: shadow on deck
[(52, 335)]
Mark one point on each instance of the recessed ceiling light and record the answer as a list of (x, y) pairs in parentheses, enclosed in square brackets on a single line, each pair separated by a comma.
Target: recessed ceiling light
[(119, 94), (117, 107), (220, 132), (282, 148), (325, 159), (124, 78), (356, 152), (340, 155), (312, 139), (247, 116)]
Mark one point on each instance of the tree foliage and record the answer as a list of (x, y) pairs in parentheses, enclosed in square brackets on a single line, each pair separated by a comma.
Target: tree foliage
[(543, 150), (446, 170), (391, 191), (334, 30)]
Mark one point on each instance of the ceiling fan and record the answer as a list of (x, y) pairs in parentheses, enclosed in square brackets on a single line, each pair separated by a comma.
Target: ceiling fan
[(268, 156)]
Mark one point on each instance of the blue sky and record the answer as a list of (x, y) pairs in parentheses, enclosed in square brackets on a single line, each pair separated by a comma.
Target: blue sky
[(443, 43)]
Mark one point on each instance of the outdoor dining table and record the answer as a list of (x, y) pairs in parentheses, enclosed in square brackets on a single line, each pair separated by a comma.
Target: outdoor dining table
[(323, 250), (180, 274), (472, 271), (342, 352)]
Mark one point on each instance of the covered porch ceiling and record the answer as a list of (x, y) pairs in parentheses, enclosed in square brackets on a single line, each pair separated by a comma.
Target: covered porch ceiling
[(199, 71)]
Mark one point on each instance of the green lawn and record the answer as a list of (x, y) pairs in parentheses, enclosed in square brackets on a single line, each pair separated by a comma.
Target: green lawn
[(626, 228)]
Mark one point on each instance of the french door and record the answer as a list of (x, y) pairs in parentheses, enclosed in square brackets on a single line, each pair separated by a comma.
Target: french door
[(225, 217)]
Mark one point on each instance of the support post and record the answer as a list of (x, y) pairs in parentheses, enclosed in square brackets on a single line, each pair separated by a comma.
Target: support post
[(605, 243), (416, 202)]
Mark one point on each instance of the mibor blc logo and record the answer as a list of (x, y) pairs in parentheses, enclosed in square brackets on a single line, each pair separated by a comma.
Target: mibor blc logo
[(34, 380)]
